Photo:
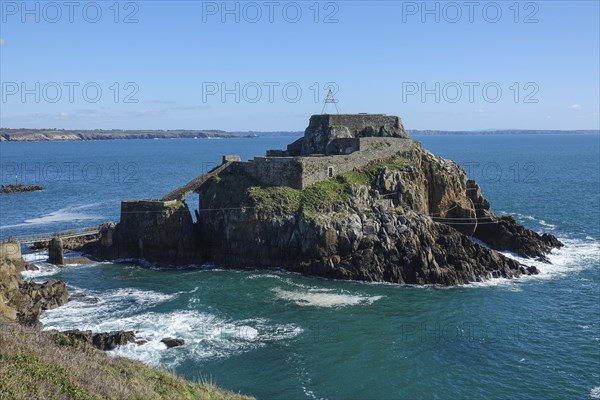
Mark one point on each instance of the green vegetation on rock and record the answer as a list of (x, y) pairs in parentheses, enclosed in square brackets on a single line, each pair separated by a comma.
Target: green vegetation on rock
[(275, 199), (241, 191)]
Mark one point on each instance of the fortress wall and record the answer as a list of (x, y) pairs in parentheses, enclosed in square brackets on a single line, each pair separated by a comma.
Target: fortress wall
[(276, 171), (315, 169), (140, 215), (355, 122), (300, 172), (156, 229)]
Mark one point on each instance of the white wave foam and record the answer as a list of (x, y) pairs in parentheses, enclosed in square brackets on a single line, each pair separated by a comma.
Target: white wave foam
[(111, 304), (37, 256), (575, 256), (205, 334), (67, 214), (595, 393), (523, 217), (261, 276), (44, 270), (319, 298)]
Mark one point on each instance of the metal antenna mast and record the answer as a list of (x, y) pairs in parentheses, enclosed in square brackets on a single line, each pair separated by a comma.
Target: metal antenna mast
[(330, 99)]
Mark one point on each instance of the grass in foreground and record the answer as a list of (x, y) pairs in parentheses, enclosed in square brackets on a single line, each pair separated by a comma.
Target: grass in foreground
[(35, 366)]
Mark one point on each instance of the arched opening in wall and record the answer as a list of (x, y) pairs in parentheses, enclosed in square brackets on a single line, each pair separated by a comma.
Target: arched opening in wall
[(330, 171)]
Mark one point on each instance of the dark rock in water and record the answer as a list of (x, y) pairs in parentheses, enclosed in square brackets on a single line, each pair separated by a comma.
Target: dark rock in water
[(20, 188), (110, 340), (171, 342), (31, 267), (104, 341), (141, 342), (74, 334), (83, 298), (531, 270), (505, 234)]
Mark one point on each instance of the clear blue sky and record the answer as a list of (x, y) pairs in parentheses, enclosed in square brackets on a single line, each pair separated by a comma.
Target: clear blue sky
[(179, 56)]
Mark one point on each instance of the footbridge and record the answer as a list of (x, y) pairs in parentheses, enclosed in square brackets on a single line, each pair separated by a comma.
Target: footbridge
[(45, 237), (181, 192)]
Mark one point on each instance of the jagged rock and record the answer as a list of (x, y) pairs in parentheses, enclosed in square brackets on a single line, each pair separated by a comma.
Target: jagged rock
[(32, 298), (104, 341), (504, 233), (31, 267), (20, 188), (110, 340), (172, 342)]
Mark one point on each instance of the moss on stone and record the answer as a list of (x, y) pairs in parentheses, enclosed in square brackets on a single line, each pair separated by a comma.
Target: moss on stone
[(175, 205), (275, 199)]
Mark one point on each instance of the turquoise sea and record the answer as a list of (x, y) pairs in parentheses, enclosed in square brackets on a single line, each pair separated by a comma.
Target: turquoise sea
[(277, 335)]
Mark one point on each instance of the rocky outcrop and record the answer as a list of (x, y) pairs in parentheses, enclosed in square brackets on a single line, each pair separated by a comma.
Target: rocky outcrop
[(405, 218), (33, 298), (172, 342), (504, 233), (20, 188), (104, 341), (21, 300)]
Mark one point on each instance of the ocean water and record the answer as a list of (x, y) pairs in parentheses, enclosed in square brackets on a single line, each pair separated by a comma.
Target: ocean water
[(277, 335)]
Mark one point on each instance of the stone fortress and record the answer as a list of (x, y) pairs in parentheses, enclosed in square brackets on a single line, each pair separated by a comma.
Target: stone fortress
[(416, 226), (332, 144)]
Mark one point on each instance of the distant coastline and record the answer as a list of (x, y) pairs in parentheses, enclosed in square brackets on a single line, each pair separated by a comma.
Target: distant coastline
[(64, 135)]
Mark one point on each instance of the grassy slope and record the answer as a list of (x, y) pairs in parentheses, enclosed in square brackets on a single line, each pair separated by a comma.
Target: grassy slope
[(37, 366)]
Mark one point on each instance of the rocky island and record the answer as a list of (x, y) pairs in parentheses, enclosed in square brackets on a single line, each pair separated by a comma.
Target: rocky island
[(354, 198), (20, 188)]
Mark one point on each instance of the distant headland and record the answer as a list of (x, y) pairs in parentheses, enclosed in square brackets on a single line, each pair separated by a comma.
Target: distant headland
[(62, 135)]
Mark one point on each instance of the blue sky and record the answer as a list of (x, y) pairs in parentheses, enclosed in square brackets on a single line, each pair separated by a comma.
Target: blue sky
[(267, 65)]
